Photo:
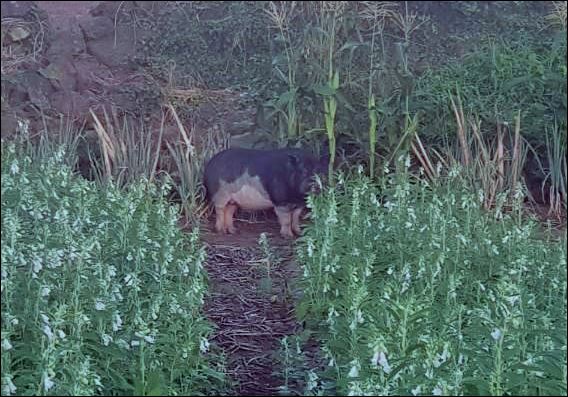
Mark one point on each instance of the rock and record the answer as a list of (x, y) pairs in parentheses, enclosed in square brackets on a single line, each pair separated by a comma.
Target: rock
[(68, 42), (16, 9), (14, 92), (61, 73), (71, 103), (97, 27), (105, 8), (250, 140), (9, 124), (18, 33), (38, 88), (110, 53), (88, 69)]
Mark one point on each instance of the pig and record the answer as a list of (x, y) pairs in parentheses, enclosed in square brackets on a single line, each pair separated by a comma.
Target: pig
[(262, 179)]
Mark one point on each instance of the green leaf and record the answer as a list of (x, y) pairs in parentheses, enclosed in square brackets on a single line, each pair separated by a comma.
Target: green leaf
[(335, 84), (286, 98), (324, 90)]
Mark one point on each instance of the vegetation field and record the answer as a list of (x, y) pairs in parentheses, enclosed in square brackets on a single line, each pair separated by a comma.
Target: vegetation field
[(433, 260)]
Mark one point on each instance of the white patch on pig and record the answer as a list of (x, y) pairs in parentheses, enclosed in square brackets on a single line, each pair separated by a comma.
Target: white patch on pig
[(246, 191)]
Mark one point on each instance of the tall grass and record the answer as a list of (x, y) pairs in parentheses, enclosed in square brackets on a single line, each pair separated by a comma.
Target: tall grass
[(42, 144), (489, 165), (129, 152), (417, 289), (557, 173), (187, 162)]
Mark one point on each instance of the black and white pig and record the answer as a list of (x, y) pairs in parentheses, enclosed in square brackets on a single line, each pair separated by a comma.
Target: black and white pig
[(261, 179)]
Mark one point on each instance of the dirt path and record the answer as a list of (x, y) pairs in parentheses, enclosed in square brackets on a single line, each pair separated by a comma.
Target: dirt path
[(252, 310), (61, 12)]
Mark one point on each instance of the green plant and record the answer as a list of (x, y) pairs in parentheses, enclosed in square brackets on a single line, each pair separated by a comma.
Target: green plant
[(416, 288), (281, 16), (495, 82), (101, 291), (375, 13), (269, 261)]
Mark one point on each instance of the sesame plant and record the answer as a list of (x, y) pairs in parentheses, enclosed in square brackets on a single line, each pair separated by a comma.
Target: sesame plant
[(101, 291), (414, 288)]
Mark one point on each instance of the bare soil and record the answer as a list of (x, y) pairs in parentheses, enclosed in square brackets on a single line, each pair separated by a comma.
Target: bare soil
[(252, 310)]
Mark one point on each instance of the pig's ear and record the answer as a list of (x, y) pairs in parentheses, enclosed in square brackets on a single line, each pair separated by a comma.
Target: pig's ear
[(294, 160)]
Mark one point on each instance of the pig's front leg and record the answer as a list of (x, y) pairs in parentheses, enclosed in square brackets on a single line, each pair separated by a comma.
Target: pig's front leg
[(284, 215)]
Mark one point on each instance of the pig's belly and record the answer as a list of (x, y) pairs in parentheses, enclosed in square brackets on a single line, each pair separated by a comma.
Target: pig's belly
[(247, 192), (250, 198)]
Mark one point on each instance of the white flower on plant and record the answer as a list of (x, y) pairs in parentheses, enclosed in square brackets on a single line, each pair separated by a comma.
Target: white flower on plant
[(135, 343), (383, 362), (354, 372), (437, 391), (312, 380), (61, 334), (8, 387), (496, 334), (99, 305), (14, 169), (375, 358), (416, 391), (123, 344), (106, 339), (45, 291), (513, 299), (116, 322), (37, 265), (47, 331), (185, 269), (441, 358), (150, 339), (47, 382), (355, 389), (44, 318), (203, 345), (6, 345)]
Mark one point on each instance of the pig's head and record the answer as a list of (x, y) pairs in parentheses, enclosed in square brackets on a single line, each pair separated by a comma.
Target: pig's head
[(303, 170)]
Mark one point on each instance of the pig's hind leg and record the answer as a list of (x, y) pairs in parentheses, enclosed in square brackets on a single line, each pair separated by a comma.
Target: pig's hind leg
[(296, 221), (220, 218), (230, 210)]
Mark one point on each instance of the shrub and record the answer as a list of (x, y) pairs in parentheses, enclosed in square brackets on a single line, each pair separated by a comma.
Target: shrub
[(101, 291), (416, 289), (497, 81)]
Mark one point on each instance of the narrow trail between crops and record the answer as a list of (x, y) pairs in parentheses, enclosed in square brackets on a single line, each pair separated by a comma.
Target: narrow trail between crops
[(252, 310)]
